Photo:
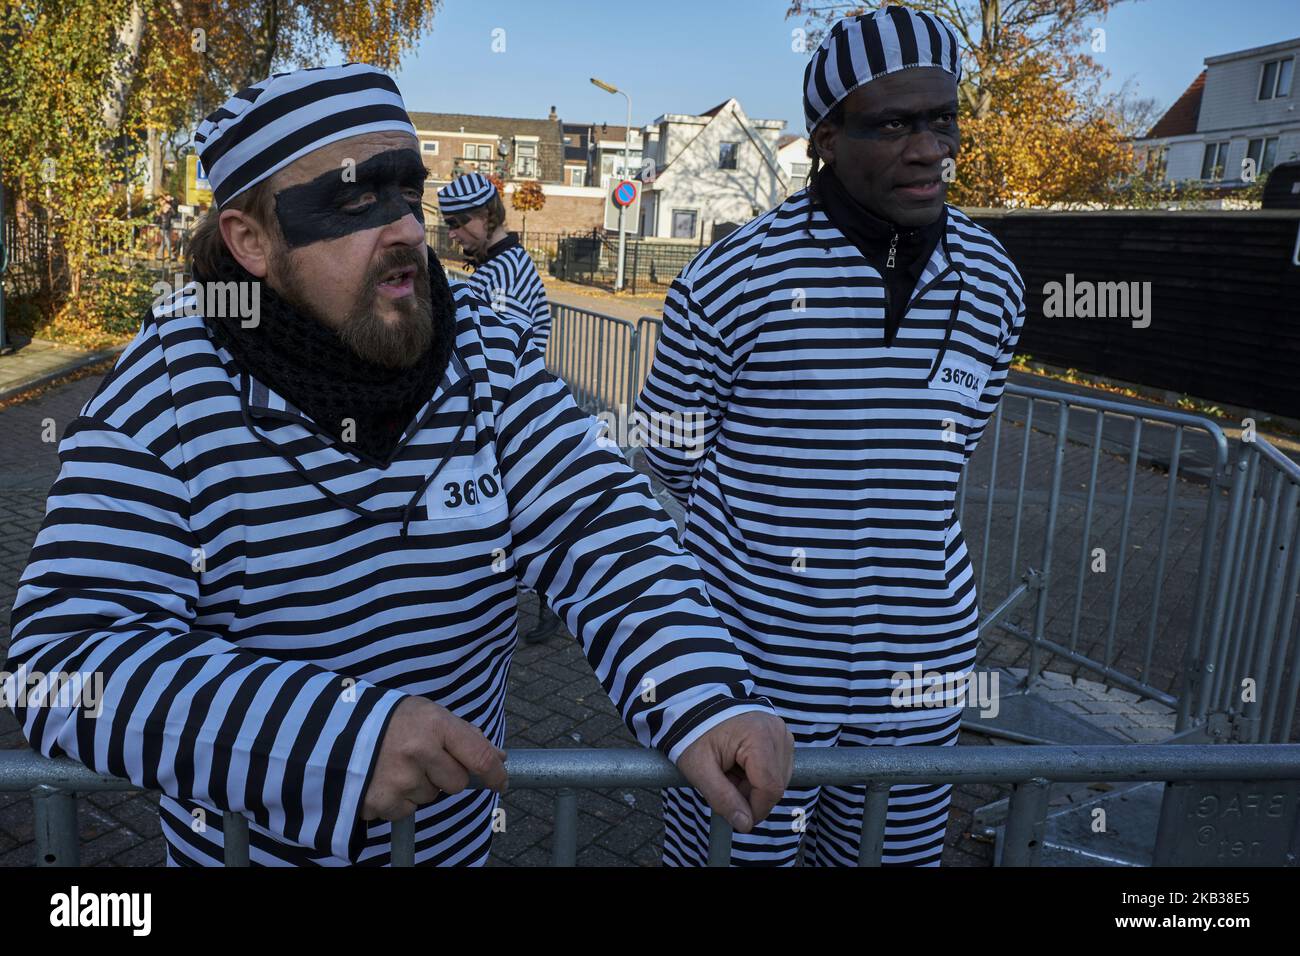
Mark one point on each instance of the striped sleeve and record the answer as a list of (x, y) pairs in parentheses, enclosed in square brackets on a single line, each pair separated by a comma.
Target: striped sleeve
[(110, 594), (589, 534), (997, 380), (483, 281), (509, 283), (689, 379), (541, 312)]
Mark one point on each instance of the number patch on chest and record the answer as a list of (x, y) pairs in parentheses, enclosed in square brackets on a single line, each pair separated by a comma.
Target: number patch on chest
[(465, 492), (468, 491), (958, 375)]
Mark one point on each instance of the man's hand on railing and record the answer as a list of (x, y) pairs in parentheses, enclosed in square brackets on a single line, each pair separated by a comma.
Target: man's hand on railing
[(427, 749), (741, 767)]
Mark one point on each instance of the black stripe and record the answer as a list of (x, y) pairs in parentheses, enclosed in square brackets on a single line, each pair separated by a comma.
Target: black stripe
[(936, 44), (875, 49), (904, 27), (315, 132)]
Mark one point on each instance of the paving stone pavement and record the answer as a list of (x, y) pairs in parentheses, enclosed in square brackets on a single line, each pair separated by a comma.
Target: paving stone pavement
[(554, 701), (32, 361)]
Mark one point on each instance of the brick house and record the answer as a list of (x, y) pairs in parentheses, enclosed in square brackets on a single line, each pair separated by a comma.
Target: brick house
[(577, 154), (515, 149)]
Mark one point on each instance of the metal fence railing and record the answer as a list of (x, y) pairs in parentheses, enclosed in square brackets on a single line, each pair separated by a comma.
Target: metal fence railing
[(1103, 539), (1249, 666), (649, 265), (54, 784), (541, 246)]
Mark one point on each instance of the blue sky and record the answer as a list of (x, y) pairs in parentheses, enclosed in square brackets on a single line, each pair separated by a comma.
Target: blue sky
[(685, 56)]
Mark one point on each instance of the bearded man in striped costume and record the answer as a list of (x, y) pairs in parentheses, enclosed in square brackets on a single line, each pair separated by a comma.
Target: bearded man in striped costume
[(839, 358), (288, 539)]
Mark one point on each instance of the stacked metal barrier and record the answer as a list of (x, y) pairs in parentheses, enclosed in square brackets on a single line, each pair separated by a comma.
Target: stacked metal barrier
[(1115, 465)]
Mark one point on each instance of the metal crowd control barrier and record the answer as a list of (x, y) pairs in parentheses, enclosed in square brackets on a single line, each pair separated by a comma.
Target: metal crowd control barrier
[(54, 784), (1249, 668), (589, 351), (1227, 535), (1086, 430)]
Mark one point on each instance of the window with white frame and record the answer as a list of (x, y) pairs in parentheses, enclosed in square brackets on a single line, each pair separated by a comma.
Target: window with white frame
[(577, 177), (430, 146), (1157, 160), (799, 170), (727, 155), (478, 151), (1275, 79), (684, 223), (526, 160), (1212, 164), (1264, 152)]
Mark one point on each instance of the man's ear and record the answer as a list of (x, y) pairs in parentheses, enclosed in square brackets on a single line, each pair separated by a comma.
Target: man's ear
[(824, 143), (247, 241)]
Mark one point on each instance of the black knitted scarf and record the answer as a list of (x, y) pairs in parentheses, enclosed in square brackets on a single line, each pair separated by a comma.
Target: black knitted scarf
[(306, 362)]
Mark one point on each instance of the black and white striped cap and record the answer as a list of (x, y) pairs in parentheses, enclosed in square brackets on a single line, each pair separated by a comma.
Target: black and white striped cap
[(859, 49), (465, 192), (266, 126)]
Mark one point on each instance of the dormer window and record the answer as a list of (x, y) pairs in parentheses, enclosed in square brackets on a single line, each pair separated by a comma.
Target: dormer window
[(1275, 79)]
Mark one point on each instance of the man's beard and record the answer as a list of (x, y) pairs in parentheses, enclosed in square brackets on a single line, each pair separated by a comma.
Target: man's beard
[(398, 342)]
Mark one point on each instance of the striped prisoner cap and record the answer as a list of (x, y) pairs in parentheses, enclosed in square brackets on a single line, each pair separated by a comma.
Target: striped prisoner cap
[(465, 192), (859, 49), (266, 126)]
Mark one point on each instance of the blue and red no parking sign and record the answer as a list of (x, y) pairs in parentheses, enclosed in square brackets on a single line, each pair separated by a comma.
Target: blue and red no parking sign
[(625, 193)]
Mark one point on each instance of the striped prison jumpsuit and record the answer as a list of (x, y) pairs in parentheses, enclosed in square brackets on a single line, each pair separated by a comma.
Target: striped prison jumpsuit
[(508, 281), (819, 478), (258, 599), (827, 821)]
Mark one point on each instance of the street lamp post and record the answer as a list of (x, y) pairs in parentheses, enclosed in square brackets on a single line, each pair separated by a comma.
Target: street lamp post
[(627, 149)]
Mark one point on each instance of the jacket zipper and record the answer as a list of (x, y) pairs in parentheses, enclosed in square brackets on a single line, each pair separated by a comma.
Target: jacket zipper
[(889, 264)]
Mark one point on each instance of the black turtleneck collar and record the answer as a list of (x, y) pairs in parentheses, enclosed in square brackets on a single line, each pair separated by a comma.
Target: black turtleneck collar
[(511, 240), (871, 234), (873, 237)]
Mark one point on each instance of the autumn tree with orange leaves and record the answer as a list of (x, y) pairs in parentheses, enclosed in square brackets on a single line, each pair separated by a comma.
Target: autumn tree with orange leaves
[(527, 197), (1035, 127), (94, 94)]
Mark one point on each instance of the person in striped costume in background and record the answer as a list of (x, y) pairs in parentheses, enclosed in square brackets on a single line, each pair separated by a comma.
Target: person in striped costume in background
[(841, 355), (506, 278), (504, 273), (288, 539)]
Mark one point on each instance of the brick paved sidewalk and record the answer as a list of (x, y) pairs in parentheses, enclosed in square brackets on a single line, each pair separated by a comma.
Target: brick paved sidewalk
[(33, 362)]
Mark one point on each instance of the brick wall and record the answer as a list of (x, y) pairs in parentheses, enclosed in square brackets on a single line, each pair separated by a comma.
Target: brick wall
[(562, 214)]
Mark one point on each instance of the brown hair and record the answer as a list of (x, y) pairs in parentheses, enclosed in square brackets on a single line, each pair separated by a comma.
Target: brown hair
[(207, 250), (496, 213)]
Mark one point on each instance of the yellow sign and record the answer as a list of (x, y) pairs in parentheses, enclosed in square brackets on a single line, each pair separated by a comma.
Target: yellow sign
[(197, 189)]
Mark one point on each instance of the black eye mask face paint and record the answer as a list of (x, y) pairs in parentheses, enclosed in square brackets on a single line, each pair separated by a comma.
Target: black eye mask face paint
[(383, 189), (892, 125)]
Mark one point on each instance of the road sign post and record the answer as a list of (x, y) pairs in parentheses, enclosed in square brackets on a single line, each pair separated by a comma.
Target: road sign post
[(624, 196)]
